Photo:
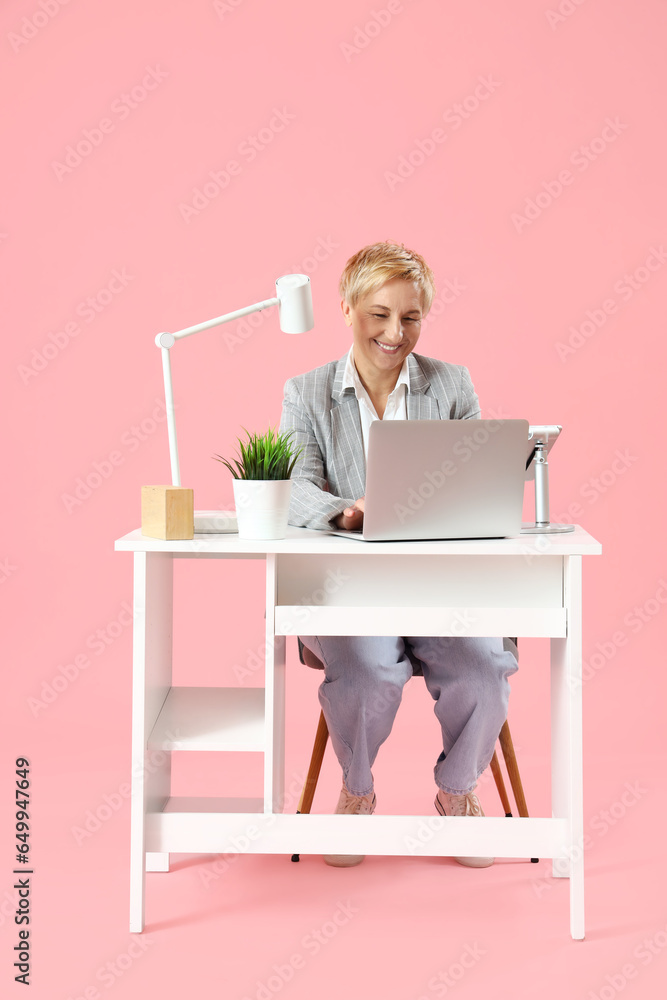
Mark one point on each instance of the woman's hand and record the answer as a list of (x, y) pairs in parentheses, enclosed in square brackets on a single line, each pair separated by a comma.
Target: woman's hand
[(352, 518)]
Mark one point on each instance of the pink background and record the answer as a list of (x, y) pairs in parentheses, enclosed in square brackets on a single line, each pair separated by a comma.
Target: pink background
[(559, 315)]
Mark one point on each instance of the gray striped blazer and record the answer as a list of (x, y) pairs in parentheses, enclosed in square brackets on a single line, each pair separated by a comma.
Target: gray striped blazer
[(330, 473)]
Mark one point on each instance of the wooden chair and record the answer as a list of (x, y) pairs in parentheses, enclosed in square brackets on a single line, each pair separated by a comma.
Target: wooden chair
[(309, 658)]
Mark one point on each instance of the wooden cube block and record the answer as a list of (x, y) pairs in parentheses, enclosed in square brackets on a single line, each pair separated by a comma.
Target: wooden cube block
[(167, 512)]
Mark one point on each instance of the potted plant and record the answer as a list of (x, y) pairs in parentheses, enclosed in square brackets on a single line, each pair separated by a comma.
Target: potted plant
[(262, 484)]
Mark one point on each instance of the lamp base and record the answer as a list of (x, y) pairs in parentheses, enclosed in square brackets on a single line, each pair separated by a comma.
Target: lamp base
[(215, 522)]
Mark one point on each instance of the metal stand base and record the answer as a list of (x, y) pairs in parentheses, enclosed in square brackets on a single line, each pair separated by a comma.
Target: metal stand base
[(547, 529)]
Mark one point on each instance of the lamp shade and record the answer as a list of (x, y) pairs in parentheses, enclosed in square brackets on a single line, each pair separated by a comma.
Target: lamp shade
[(296, 303)]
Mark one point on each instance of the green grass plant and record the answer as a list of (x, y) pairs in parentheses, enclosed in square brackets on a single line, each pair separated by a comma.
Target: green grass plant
[(263, 456)]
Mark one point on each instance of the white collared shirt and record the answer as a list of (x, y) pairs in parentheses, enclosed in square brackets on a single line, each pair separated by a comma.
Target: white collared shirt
[(396, 408)]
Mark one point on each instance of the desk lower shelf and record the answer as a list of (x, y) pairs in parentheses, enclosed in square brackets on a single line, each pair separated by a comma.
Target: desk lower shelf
[(210, 718), (191, 825)]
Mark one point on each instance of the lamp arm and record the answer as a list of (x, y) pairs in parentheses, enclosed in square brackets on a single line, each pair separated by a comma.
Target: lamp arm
[(165, 341)]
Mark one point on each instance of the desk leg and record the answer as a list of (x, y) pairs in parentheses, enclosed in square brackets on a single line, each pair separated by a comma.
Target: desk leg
[(274, 699), (151, 680), (567, 742)]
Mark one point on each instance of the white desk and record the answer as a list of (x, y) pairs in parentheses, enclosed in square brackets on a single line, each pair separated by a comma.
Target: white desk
[(319, 584)]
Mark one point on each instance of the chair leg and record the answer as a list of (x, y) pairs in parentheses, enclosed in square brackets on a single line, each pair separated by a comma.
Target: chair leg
[(310, 784), (507, 747), (500, 784), (308, 793)]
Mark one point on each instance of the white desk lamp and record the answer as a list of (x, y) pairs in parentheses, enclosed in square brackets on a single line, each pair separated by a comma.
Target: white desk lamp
[(295, 311)]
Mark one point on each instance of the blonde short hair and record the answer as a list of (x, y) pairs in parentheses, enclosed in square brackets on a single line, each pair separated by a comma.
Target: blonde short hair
[(373, 266)]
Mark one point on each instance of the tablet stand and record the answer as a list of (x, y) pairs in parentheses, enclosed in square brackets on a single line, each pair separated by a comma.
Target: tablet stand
[(542, 523)]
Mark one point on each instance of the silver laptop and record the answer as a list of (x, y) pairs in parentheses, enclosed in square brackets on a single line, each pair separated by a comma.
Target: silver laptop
[(443, 479)]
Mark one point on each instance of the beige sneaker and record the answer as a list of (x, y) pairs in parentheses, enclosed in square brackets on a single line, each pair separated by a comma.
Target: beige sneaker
[(357, 805), (462, 805)]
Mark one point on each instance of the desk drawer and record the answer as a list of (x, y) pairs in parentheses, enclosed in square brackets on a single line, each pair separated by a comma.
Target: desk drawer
[(389, 581)]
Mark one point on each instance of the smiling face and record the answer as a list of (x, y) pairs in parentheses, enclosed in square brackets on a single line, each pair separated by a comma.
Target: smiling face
[(385, 326)]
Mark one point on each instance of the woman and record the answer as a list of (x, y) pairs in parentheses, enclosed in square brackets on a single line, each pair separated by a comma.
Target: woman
[(386, 290)]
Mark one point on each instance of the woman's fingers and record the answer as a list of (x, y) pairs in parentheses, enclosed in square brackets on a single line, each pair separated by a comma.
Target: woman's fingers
[(352, 517), (355, 519), (358, 507)]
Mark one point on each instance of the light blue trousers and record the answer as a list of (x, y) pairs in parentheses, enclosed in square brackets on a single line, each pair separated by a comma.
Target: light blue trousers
[(363, 686)]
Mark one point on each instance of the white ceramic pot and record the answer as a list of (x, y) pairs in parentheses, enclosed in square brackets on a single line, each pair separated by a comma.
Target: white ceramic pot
[(262, 507)]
